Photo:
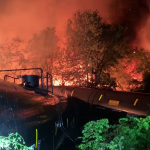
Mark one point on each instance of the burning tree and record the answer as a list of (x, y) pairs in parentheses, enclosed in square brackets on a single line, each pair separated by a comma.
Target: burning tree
[(129, 70), (97, 45)]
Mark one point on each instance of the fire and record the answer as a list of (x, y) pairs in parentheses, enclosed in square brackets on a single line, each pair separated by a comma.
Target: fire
[(58, 82)]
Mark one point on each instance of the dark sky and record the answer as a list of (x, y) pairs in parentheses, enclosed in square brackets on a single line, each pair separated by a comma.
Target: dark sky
[(131, 13)]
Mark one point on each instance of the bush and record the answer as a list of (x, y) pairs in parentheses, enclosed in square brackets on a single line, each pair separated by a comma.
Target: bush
[(129, 134)]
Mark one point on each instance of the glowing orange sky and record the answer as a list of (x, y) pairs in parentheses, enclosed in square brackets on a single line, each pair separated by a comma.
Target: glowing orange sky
[(26, 17)]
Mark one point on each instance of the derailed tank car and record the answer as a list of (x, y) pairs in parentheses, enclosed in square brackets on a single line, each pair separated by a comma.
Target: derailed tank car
[(30, 110), (23, 111), (129, 102)]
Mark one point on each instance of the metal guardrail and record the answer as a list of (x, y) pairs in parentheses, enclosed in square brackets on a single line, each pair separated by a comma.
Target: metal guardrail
[(42, 78), (51, 81), (5, 78), (42, 86)]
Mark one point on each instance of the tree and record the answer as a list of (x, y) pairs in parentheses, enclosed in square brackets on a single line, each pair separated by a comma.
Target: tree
[(97, 44), (129, 133), (43, 51), (12, 54)]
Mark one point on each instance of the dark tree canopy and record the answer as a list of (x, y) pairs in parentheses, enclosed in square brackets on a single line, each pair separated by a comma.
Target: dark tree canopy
[(97, 44), (129, 133)]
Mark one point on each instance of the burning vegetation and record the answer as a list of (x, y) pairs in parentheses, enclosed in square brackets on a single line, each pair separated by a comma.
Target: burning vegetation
[(94, 51)]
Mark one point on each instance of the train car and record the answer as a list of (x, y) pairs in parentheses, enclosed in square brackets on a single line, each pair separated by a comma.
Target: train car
[(30, 113), (130, 102)]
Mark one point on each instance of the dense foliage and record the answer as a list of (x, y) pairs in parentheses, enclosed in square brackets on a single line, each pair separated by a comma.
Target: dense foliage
[(14, 141), (130, 133)]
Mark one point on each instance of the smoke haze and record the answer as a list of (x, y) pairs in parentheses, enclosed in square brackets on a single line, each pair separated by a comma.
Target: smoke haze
[(26, 17), (133, 14)]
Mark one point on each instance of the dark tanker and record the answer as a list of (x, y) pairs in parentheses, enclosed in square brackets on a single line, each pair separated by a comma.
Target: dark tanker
[(33, 112), (129, 102)]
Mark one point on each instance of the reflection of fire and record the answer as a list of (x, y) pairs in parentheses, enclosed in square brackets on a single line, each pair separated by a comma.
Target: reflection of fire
[(49, 100), (28, 113)]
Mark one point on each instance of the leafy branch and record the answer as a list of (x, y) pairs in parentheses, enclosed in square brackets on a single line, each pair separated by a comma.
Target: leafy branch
[(13, 141)]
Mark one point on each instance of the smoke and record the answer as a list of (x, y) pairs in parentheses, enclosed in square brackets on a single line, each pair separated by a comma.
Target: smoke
[(134, 15), (26, 17)]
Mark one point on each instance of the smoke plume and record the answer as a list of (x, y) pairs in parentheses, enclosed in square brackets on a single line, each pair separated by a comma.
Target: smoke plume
[(26, 17), (133, 14)]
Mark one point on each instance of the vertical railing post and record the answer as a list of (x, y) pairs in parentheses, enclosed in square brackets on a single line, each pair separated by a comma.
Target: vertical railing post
[(42, 80), (47, 83), (52, 83)]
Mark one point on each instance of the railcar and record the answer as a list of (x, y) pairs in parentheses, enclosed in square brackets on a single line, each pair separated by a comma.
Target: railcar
[(133, 103), (32, 112)]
